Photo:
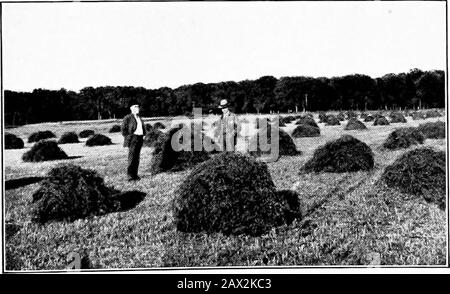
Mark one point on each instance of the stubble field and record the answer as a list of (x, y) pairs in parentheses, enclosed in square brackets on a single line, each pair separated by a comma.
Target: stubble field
[(348, 218)]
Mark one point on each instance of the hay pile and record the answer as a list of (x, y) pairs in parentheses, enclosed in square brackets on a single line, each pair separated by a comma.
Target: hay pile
[(159, 125), (286, 120), (404, 138), (380, 121), (286, 144), (418, 115), (86, 133), (420, 172), (355, 124), (322, 117), (115, 129), (98, 140), (433, 130), (231, 193), (165, 158), (306, 120), (13, 142), (341, 116), (352, 114), (44, 150), (368, 118), (151, 137), (306, 131), (70, 192), (397, 117), (378, 115), (41, 135), (346, 154), (332, 120), (432, 113), (68, 138)]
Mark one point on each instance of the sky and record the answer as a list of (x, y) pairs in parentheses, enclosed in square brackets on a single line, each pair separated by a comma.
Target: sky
[(76, 45)]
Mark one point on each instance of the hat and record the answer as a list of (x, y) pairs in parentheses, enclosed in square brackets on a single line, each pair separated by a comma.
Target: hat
[(133, 103), (223, 104)]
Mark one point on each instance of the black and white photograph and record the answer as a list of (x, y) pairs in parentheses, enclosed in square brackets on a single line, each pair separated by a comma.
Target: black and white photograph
[(212, 135)]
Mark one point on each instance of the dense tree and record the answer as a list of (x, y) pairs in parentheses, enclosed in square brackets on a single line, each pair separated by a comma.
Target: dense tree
[(430, 87), (415, 89)]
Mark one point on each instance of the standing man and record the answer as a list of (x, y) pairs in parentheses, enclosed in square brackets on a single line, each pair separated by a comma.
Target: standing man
[(228, 128), (133, 131)]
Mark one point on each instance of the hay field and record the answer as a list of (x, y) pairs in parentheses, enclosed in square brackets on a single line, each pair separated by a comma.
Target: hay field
[(349, 218)]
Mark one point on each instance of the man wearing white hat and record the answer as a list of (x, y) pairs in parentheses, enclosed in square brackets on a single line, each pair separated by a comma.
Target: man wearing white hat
[(228, 128)]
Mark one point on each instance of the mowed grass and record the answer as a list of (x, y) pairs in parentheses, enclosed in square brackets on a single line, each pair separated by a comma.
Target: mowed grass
[(347, 218)]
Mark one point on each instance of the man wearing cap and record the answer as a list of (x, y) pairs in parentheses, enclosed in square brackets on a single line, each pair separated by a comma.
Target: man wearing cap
[(133, 131), (229, 127)]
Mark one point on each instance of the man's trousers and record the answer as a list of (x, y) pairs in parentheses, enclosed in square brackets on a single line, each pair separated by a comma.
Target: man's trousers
[(134, 153)]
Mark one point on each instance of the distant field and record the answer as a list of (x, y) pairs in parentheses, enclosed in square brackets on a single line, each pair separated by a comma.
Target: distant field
[(349, 217)]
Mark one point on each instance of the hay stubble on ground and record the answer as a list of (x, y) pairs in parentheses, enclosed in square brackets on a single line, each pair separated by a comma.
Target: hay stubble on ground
[(347, 216)]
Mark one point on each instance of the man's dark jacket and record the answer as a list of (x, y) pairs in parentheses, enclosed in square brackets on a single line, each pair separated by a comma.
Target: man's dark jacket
[(129, 126)]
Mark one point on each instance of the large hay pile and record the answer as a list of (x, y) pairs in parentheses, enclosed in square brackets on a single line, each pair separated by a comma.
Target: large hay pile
[(433, 130), (404, 138), (13, 142), (420, 172), (69, 193), (355, 124), (306, 131), (231, 193), (151, 137), (165, 158), (346, 154), (306, 120), (44, 150)]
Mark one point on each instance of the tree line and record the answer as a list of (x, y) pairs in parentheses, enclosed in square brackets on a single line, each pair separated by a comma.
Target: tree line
[(411, 90)]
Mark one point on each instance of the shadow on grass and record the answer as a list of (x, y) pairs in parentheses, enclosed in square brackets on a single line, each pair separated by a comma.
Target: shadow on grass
[(129, 199), (17, 183), (74, 157), (103, 145), (57, 159)]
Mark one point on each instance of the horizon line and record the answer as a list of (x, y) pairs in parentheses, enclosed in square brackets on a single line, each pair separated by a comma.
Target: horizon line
[(223, 81)]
